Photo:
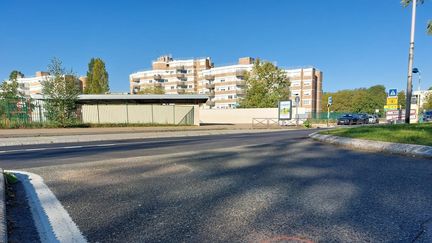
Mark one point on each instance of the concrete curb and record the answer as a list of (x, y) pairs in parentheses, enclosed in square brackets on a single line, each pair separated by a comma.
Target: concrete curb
[(376, 146), (52, 221), (20, 141), (3, 223)]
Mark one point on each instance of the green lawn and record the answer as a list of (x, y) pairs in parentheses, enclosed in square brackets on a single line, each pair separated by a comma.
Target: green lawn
[(401, 133)]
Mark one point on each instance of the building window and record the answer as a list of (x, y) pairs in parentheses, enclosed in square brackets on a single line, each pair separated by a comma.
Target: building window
[(308, 92), (172, 87), (306, 102), (222, 80), (230, 97), (190, 86), (150, 81)]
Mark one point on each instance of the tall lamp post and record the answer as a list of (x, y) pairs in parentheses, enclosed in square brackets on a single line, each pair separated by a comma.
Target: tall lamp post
[(416, 70), (410, 64)]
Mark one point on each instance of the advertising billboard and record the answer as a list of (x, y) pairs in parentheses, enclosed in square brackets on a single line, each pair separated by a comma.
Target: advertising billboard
[(285, 110)]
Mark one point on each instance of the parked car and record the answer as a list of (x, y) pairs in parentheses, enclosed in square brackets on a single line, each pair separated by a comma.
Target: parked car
[(363, 118), (373, 119), (348, 119), (427, 116)]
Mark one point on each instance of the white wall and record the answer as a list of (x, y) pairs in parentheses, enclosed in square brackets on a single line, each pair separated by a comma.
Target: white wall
[(241, 116)]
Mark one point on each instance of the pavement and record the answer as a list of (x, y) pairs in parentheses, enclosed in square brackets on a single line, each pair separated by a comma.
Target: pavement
[(44, 132), (233, 188)]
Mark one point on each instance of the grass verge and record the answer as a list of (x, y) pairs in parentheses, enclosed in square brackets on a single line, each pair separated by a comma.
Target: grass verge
[(420, 134)]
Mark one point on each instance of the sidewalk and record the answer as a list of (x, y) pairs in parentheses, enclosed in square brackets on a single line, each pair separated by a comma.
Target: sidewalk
[(14, 133), (79, 135)]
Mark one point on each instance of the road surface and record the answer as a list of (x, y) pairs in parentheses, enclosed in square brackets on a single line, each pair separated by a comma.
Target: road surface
[(233, 188)]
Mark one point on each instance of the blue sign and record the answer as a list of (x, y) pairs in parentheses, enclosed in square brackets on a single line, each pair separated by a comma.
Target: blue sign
[(392, 92), (330, 100)]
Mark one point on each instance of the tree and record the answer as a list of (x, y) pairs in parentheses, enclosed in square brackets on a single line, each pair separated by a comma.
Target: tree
[(357, 100), (152, 90), (97, 77), (60, 90), (401, 99), (427, 105), (406, 3), (13, 76), (266, 85), (9, 88)]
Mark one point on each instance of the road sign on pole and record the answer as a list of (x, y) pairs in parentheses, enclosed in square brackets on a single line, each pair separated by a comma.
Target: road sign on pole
[(330, 100), (392, 92)]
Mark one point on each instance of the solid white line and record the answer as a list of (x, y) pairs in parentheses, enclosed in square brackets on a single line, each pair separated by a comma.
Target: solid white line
[(52, 221), (82, 146)]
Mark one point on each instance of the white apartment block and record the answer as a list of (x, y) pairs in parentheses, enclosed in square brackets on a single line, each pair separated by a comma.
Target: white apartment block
[(174, 76), (306, 83), (33, 85), (224, 85)]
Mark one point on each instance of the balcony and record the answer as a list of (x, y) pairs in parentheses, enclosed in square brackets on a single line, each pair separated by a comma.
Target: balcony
[(181, 84), (210, 103), (157, 77), (240, 92), (209, 86), (180, 68), (181, 75), (240, 73), (209, 77), (240, 83)]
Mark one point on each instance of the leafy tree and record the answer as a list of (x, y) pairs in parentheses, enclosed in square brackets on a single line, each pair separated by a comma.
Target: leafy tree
[(97, 77), (266, 85), (14, 75), (61, 90), (427, 105), (430, 88), (357, 100), (152, 90), (401, 99), (406, 3)]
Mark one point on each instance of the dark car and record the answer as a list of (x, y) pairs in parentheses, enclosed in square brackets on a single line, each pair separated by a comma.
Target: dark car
[(363, 118), (427, 116), (348, 119)]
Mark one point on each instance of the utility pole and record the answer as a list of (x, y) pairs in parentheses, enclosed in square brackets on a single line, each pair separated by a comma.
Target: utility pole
[(410, 64)]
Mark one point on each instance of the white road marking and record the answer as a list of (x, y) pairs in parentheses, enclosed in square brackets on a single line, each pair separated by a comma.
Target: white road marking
[(52, 221), (83, 146)]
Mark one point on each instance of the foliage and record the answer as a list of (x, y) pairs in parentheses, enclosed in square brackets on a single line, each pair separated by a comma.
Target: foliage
[(307, 124), (10, 177), (61, 92), (406, 3), (401, 133), (14, 75), (152, 90), (266, 85), (97, 77), (357, 100), (401, 99), (427, 105)]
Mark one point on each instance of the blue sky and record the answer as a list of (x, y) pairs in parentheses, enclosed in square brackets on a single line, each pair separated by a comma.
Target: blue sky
[(355, 43)]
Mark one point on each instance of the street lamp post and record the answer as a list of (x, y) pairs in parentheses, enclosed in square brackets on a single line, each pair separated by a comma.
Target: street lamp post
[(416, 70), (410, 64)]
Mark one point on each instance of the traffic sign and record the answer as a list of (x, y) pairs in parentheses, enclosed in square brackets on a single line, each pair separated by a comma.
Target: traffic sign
[(390, 107), (392, 100), (392, 92), (297, 99), (330, 100)]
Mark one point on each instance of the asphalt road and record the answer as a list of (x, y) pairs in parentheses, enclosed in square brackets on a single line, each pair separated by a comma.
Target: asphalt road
[(233, 188)]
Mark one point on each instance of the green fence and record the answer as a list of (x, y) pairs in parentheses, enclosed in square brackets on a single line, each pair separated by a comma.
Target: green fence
[(18, 111)]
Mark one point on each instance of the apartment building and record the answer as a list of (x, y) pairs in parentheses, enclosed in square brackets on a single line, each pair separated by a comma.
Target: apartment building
[(307, 84), (174, 76), (225, 85), (33, 85)]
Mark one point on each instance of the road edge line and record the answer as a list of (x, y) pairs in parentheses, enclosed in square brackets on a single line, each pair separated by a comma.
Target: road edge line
[(52, 221), (3, 221)]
